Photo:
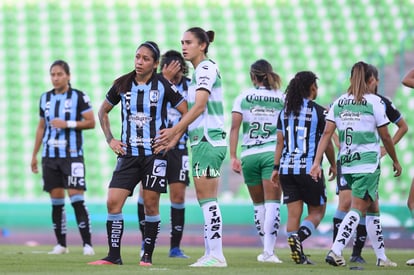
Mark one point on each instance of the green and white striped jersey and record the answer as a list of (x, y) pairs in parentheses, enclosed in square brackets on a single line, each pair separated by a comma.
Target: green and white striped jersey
[(357, 123), (210, 124), (260, 109)]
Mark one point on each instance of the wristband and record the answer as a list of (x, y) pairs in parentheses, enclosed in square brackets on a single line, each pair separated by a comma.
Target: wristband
[(276, 167), (71, 124)]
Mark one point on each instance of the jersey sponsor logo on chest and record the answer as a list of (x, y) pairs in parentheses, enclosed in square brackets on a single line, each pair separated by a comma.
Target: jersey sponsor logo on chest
[(140, 119)]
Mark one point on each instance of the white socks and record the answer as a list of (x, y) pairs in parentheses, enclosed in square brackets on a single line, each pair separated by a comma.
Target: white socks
[(345, 231), (259, 217), (213, 226), (374, 230), (271, 226)]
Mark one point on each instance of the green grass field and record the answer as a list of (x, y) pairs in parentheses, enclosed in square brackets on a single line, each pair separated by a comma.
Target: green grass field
[(15, 259)]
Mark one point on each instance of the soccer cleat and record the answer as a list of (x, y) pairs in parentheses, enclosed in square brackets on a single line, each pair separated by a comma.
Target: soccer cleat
[(335, 260), (386, 263), (145, 260), (58, 249), (209, 261), (410, 262), (305, 260), (88, 250), (176, 252), (296, 248), (106, 261), (266, 258), (357, 259)]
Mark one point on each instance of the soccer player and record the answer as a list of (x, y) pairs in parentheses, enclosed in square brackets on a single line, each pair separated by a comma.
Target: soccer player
[(205, 122), (257, 109), (300, 126), (360, 118), (177, 159), (408, 81), (64, 113), (344, 190), (143, 95)]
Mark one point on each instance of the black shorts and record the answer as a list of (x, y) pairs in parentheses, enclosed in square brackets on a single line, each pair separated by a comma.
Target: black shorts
[(177, 166), (303, 187), (68, 173), (150, 170), (341, 183)]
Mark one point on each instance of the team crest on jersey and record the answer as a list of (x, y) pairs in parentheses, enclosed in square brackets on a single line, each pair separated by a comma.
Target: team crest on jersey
[(154, 96), (68, 105), (47, 108)]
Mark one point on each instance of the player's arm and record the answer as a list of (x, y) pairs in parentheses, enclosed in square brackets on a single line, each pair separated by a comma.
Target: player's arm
[(408, 79), (326, 138), (116, 145), (389, 146), (236, 120), (168, 136), (38, 142)]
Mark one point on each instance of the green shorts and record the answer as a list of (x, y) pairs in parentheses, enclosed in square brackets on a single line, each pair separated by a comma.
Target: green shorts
[(257, 167), (207, 160), (364, 184)]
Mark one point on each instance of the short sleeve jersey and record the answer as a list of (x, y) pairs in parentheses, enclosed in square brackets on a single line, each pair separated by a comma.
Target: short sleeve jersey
[(390, 110), (63, 143), (301, 135), (144, 112), (260, 109), (174, 115), (209, 125), (357, 123)]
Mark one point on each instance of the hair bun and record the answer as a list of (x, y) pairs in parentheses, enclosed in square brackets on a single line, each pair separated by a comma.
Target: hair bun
[(210, 35)]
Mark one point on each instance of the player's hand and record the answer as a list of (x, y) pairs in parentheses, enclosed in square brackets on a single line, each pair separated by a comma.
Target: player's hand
[(397, 169), (236, 165), (118, 147), (315, 172), (166, 140), (332, 173), (58, 123), (169, 71), (33, 165), (275, 179)]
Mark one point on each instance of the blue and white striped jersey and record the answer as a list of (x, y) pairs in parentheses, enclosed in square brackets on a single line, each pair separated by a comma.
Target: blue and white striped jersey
[(144, 112), (301, 136), (63, 143)]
